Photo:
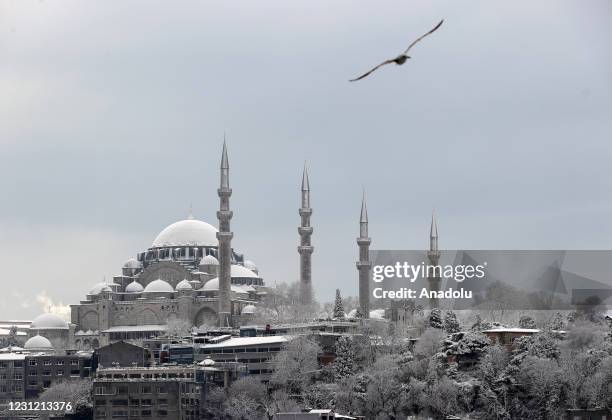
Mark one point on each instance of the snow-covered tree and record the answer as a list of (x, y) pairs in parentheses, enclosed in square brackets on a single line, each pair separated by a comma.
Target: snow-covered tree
[(451, 325), (435, 319), (346, 354), (338, 306), (526, 321)]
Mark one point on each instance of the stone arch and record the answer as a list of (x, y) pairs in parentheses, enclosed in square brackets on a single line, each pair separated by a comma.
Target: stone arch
[(77, 344), (147, 317), (95, 343), (206, 317), (90, 321)]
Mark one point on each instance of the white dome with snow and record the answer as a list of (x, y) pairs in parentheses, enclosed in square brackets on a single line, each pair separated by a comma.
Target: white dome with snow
[(98, 287), (209, 260), (184, 285), (132, 263), (134, 287), (188, 232), (48, 322), (158, 286), (38, 342), (213, 285), (240, 271)]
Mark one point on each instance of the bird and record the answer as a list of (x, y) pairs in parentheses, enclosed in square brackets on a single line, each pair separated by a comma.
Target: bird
[(400, 59)]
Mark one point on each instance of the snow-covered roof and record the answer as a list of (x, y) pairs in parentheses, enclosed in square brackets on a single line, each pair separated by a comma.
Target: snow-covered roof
[(5, 331), (134, 287), (249, 309), (12, 356), (10, 349), (158, 286), (512, 330), (49, 322), (250, 265), (184, 285), (249, 341), (135, 328), (38, 342), (188, 232), (209, 260), (377, 314)]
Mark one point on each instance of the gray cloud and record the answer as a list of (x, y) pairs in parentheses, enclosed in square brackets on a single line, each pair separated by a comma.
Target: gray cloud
[(113, 117)]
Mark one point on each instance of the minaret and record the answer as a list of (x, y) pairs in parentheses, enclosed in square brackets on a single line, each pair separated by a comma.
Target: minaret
[(224, 236), (305, 249), (364, 264), (434, 256)]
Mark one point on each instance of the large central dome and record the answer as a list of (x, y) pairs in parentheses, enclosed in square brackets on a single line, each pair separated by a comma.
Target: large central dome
[(189, 232)]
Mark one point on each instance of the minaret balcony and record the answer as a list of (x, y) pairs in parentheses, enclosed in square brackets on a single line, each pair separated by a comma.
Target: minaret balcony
[(304, 249), (363, 264), (225, 235), (364, 241), (305, 230), (305, 211)]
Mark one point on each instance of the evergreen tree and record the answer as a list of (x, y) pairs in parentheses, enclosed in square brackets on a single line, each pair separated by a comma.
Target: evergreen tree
[(435, 318), (346, 354), (527, 322), (451, 325), (338, 306)]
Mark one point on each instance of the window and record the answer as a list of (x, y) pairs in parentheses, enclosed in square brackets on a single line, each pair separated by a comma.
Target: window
[(46, 384), (100, 390), (162, 390), (75, 373), (47, 373), (59, 373), (3, 365), (32, 362), (147, 402), (145, 413), (74, 362), (162, 401), (47, 362), (18, 363), (32, 373), (60, 363), (145, 389), (162, 413)]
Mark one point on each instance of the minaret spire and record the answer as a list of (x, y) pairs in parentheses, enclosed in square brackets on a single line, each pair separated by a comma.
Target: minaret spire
[(224, 237), (433, 233), (434, 256), (305, 249), (364, 264)]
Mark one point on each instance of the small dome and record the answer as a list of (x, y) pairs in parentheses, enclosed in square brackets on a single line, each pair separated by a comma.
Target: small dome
[(250, 265), (184, 285), (158, 286), (48, 322), (213, 285), (98, 287), (38, 342), (134, 287), (209, 260), (132, 263), (189, 232), (240, 271), (249, 309), (106, 289)]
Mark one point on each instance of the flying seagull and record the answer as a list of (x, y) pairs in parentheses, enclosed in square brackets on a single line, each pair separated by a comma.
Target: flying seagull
[(400, 59)]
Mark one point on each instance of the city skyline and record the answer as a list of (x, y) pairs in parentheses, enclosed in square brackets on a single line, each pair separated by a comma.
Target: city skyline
[(109, 136)]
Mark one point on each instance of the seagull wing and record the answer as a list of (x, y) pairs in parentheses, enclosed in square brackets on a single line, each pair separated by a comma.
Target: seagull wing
[(373, 70), (423, 36)]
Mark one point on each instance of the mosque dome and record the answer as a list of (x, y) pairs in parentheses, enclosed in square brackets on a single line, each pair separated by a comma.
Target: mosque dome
[(184, 285), (188, 232), (48, 322), (134, 287), (249, 309), (213, 285), (158, 286), (98, 287), (250, 265), (132, 263), (38, 342), (209, 260), (240, 271), (106, 289)]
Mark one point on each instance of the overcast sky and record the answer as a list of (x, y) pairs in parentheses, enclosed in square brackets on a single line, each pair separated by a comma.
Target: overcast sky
[(112, 117)]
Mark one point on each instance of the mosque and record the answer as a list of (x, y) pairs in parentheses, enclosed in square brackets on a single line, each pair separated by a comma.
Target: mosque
[(189, 274)]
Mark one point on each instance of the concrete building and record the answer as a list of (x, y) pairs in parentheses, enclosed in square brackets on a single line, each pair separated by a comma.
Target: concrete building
[(12, 373), (158, 392), (122, 354)]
